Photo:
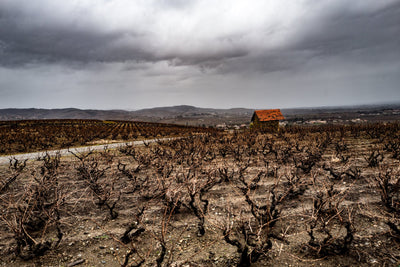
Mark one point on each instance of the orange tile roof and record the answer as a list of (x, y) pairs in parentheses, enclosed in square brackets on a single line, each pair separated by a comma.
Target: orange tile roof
[(268, 115)]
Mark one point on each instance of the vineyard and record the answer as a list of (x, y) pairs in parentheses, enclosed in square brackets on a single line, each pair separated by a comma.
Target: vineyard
[(40, 135), (306, 196)]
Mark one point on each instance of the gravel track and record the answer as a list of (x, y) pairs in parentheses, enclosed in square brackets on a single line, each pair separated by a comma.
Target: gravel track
[(66, 151)]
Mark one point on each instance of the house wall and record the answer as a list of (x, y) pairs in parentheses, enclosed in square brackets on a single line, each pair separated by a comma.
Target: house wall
[(269, 126)]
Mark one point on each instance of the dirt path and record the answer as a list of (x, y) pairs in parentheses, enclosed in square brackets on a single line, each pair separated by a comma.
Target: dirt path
[(66, 151)]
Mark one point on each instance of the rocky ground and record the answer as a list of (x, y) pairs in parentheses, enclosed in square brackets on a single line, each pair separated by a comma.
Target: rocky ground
[(314, 196)]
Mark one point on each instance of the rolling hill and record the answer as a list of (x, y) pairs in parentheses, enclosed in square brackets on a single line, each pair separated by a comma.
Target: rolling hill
[(190, 115)]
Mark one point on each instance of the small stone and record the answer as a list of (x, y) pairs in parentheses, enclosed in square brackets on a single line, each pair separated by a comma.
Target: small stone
[(77, 262), (102, 247)]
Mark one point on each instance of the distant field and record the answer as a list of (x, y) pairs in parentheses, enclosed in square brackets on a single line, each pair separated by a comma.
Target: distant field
[(195, 116), (38, 135)]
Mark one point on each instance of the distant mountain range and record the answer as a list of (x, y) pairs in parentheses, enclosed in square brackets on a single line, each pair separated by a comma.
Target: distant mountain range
[(191, 115), (176, 114)]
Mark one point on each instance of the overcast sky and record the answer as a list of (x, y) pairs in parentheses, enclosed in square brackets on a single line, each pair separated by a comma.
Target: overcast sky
[(125, 54)]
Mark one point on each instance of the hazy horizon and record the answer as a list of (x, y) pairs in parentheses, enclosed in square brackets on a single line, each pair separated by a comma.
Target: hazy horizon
[(121, 54), (300, 107)]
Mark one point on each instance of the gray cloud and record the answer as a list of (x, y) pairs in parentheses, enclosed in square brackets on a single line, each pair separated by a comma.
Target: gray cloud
[(190, 48), (23, 42), (30, 34), (344, 31), (363, 37)]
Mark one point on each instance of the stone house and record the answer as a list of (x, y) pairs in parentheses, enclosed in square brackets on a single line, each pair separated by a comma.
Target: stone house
[(266, 120)]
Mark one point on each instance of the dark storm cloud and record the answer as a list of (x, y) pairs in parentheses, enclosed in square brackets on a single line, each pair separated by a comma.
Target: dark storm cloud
[(198, 52), (29, 34), (27, 37), (342, 31), (359, 36), (24, 40)]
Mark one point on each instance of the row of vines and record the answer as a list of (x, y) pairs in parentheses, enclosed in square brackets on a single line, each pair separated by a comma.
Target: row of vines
[(328, 195), (40, 135)]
